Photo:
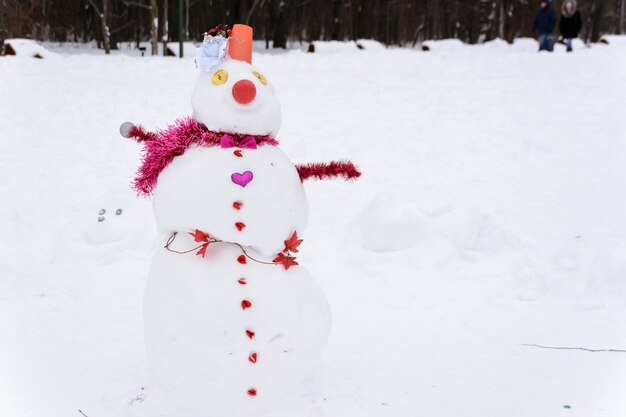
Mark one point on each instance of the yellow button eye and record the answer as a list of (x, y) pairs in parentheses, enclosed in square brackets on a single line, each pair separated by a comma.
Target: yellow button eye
[(260, 77), (220, 77)]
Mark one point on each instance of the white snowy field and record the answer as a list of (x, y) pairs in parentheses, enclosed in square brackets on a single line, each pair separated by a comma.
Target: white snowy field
[(491, 214)]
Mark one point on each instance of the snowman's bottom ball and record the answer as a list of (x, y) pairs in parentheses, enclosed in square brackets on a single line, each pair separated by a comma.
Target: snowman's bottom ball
[(228, 339)]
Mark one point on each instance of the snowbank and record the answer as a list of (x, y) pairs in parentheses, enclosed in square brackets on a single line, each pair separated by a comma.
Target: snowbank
[(615, 40), (24, 48), (333, 47), (370, 45), (497, 43), (444, 44), (388, 225)]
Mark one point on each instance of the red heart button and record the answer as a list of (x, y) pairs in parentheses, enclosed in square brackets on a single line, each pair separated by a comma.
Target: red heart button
[(242, 259), (237, 205), (238, 153), (252, 357), (245, 304), (242, 281), (240, 226), (250, 334), (252, 392)]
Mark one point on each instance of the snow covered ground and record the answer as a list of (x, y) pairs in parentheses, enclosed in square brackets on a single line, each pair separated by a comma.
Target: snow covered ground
[(491, 214)]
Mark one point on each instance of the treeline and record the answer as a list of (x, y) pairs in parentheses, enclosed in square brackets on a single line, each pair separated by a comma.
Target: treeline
[(393, 22)]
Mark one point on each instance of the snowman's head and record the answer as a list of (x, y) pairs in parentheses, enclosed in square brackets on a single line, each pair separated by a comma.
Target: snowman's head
[(234, 96)]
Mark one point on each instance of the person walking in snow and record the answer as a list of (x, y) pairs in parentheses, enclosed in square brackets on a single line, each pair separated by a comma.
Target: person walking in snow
[(570, 23), (545, 21)]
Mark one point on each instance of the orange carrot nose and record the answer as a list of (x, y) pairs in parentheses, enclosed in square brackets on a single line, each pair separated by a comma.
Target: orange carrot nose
[(240, 43)]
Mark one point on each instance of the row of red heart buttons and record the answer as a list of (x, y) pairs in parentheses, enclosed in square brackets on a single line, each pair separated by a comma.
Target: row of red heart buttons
[(245, 305)]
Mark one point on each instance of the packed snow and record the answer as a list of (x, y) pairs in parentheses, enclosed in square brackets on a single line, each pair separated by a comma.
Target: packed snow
[(489, 217), (25, 48)]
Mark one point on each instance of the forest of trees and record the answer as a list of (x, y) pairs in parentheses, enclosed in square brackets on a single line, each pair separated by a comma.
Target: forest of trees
[(393, 22)]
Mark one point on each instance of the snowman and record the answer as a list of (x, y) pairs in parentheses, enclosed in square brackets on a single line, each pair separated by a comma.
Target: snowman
[(233, 324)]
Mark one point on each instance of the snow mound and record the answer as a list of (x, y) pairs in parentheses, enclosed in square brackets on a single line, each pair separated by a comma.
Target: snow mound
[(496, 43), (593, 264), (386, 225), (118, 221), (25, 48), (371, 45), (173, 49), (189, 49), (444, 45), (615, 40), (471, 230), (333, 47), (525, 43)]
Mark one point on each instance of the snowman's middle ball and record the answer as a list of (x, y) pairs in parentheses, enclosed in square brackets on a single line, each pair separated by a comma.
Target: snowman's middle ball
[(250, 196), (235, 96)]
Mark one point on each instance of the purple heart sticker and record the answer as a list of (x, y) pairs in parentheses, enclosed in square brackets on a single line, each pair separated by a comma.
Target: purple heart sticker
[(242, 179)]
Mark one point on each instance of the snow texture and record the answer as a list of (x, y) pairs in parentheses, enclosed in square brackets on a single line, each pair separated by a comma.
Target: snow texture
[(505, 165)]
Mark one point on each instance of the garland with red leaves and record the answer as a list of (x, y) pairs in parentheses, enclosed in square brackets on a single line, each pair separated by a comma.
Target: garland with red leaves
[(284, 258)]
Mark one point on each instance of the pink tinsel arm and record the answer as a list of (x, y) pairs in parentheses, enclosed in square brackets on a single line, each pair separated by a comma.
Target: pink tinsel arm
[(136, 132), (328, 170)]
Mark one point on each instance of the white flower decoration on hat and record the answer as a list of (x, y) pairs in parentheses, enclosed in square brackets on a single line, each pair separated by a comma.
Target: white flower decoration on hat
[(211, 52)]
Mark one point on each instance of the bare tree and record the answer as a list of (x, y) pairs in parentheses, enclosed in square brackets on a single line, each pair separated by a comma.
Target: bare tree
[(255, 3), (154, 27), (104, 24), (622, 6), (594, 21), (278, 10), (165, 36), (187, 6)]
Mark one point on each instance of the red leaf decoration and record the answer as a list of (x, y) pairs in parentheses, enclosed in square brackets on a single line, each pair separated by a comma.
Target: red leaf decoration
[(252, 392), (199, 236), (202, 250), (242, 281), (286, 261), (291, 244)]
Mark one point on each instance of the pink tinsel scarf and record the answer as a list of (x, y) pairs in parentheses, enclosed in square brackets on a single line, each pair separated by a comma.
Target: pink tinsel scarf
[(162, 147)]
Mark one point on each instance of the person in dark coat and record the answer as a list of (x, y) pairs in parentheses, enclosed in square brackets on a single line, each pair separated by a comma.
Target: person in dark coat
[(570, 23), (545, 21)]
